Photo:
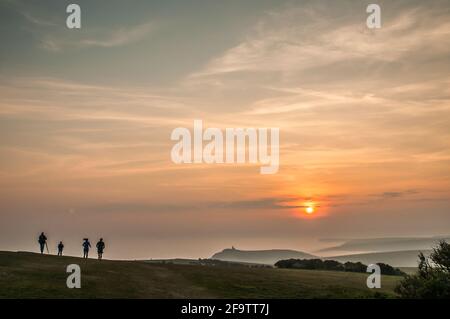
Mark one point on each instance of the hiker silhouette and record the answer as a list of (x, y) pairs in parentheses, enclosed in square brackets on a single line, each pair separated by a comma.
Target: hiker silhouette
[(100, 248), (42, 242), (86, 246), (60, 248)]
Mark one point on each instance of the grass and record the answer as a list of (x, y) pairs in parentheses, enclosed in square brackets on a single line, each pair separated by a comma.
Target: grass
[(28, 275)]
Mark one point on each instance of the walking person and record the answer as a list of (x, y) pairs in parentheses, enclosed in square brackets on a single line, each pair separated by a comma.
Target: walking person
[(42, 242), (60, 248), (100, 248), (86, 246)]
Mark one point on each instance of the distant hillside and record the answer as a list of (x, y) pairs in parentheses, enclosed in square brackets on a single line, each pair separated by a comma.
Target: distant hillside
[(400, 258), (405, 258), (386, 244), (269, 257)]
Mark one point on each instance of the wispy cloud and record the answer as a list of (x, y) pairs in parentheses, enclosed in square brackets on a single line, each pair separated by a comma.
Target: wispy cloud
[(97, 37), (121, 36), (37, 21), (287, 47), (51, 34), (274, 203), (388, 195)]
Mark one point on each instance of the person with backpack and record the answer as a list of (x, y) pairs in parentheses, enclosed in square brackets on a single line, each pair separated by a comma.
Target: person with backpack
[(42, 242), (60, 248), (86, 246), (100, 248)]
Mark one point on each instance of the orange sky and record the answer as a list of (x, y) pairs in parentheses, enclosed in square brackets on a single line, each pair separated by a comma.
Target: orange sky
[(85, 126)]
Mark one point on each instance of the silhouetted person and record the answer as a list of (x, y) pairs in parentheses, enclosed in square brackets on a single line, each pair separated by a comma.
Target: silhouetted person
[(86, 246), (60, 248), (42, 241), (100, 248)]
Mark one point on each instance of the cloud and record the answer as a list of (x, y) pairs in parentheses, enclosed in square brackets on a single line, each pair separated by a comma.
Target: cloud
[(95, 37), (388, 195), (119, 37), (240, 205), (278, 43), (263, 203), (37, 21), (51, 33)]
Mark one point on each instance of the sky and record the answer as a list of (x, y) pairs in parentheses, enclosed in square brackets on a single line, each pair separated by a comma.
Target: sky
[(86, 117)]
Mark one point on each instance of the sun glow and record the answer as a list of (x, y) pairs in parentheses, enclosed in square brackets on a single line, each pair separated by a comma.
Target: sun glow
[(309, 210)]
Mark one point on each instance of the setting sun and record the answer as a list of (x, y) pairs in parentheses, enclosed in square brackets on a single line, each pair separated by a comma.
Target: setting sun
[(309, 209)]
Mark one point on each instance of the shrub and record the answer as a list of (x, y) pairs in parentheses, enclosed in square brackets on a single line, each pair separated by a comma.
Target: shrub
[(432, 281)]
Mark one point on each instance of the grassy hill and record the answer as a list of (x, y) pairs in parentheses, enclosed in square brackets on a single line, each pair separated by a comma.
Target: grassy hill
[(28, 275)]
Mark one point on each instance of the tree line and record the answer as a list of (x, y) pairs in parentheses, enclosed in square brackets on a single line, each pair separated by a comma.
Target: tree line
[(319, 264)]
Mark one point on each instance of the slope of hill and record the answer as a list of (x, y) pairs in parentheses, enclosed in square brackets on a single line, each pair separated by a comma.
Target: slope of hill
[(260, 256), (405, 258), (27, 275)]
